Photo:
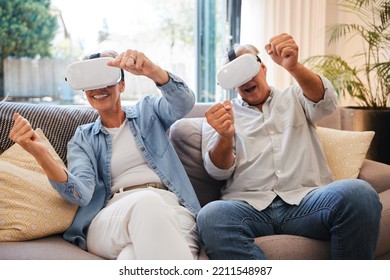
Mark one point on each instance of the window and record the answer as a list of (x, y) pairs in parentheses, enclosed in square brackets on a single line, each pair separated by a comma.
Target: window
[(218, 29), (186, 37)]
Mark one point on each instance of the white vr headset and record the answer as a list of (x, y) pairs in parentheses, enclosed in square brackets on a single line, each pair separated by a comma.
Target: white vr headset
[(238, 71), (92, 74)]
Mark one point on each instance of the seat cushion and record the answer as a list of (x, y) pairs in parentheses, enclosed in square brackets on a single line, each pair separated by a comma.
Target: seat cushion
[(47, 248), (290, 247)]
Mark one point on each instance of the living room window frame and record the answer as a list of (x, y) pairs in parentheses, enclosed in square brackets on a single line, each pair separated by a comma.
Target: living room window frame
[(211, 48)]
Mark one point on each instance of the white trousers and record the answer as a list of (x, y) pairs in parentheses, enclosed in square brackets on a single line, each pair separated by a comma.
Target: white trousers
[(144, 224)]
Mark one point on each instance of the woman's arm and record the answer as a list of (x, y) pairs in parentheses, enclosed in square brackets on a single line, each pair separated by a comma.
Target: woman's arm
[(23, 134)]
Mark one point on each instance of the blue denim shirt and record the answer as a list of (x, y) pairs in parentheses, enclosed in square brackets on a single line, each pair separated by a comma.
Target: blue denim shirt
[(90, 150)]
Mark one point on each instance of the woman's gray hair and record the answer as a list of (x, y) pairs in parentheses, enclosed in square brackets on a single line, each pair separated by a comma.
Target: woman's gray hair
[(106, 53)]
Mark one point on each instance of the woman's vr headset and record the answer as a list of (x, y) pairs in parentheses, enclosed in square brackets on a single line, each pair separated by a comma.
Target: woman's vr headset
[(92, 74), (238, 71)]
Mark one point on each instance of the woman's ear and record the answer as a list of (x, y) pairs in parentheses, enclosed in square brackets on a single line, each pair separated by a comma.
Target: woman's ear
[(122, 86)]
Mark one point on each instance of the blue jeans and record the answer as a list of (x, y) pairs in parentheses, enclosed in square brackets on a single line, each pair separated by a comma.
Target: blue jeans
[(346, 212)]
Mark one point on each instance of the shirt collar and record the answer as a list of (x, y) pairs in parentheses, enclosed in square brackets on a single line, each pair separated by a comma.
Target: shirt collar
[(245, 104), (130, 112)]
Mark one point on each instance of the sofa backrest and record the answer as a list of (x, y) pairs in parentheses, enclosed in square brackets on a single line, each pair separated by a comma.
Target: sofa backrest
[(58, 123), (186, 138)]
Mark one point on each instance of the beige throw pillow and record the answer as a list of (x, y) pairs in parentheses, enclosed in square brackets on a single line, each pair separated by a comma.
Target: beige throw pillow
[(29, 207), (345, 150)]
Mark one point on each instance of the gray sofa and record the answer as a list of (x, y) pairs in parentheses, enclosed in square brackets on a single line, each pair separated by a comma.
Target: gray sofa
[(59, 123)]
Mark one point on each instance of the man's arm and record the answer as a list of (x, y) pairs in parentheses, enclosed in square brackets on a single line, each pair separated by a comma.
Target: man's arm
[(284, 51), (220, 117)]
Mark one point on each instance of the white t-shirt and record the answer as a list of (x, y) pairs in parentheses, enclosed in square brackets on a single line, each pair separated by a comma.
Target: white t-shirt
[(128, 165)]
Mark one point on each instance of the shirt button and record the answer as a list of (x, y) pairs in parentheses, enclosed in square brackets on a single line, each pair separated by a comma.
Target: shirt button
[(272, 132), (142, 148)]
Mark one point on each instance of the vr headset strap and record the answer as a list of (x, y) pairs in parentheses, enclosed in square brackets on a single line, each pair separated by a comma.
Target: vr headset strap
[(95, 55), (232, 54)]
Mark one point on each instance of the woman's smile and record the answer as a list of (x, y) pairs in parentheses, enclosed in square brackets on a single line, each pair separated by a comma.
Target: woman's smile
[(100, 96)]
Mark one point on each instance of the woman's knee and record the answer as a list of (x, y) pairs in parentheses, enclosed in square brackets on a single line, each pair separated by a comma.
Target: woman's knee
[(149, 203)]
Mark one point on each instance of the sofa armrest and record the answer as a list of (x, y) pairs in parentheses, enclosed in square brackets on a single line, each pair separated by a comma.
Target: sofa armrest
[(377, 174)]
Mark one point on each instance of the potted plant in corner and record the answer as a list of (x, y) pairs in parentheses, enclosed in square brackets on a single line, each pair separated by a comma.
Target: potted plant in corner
[(368, 84)]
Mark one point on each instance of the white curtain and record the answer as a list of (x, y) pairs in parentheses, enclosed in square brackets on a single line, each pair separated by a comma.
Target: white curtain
[(305, 20)]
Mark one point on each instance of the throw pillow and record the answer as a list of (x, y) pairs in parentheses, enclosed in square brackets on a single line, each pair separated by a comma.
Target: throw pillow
[(345, 150), (29, 207)]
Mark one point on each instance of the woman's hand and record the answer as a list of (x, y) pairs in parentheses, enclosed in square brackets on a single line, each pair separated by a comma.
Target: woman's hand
[(23, 134), (138, 63)]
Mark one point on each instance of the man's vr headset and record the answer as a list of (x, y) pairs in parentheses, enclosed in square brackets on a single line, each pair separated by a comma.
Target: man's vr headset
[(93, 74), (238, 71)]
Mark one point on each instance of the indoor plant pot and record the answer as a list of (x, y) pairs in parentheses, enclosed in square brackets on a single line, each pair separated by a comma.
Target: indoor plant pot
[(367, 119)]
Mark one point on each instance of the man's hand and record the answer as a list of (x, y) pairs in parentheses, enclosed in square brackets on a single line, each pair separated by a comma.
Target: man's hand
[(283, 51), (221, 118)]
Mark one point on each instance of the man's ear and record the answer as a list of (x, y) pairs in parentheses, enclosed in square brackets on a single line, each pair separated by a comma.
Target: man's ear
[(262, 66)]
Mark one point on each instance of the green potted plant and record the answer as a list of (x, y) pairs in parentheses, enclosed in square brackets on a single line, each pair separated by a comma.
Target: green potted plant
[(368, 84)]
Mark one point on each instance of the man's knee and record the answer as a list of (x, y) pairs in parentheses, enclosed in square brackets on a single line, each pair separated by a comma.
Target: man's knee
[(360, 191), (369, 198), (215, 210), (360, 196)]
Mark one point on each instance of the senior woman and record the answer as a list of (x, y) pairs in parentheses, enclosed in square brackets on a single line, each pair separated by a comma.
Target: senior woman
[(135, 199)]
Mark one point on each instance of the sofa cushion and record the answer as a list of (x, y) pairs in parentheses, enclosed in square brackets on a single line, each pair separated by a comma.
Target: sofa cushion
[(57, 122), (29, 207), (292, 247), (345, 150), (186, 138), (377, 174), (383, 246), (53, 247)]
